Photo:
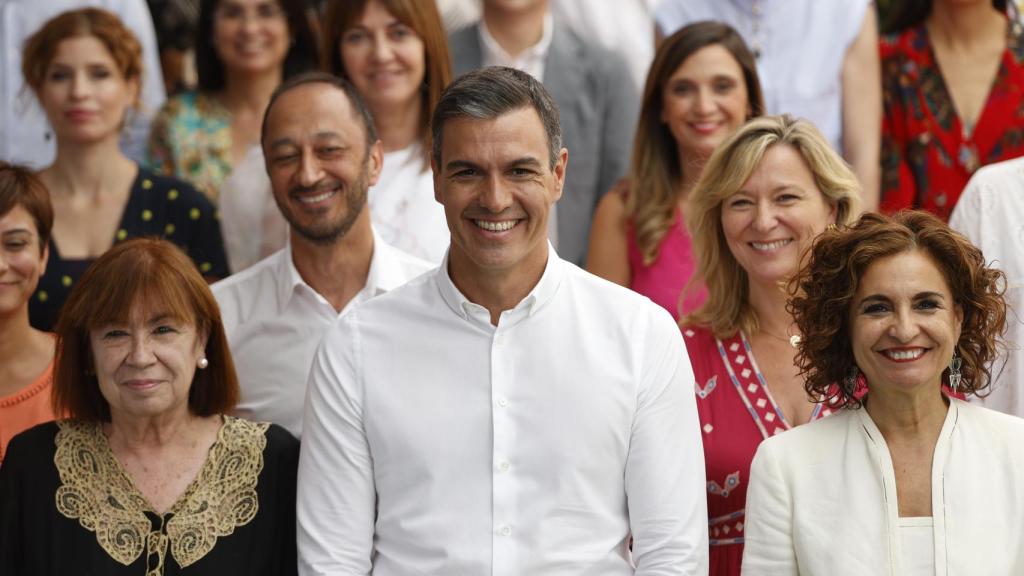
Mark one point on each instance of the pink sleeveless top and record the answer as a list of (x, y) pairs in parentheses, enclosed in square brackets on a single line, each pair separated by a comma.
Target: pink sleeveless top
[(664, 279)]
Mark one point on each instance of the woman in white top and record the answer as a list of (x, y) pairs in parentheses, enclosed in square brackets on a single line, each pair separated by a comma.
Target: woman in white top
[(907, 480), (395, 52)]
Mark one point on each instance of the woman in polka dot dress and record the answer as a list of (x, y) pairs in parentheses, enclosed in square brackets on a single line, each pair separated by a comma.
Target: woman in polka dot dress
[(764, 195), (85, 67)]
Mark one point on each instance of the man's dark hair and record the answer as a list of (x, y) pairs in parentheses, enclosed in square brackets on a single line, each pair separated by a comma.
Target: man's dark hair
[(490, 92), (358, 104)]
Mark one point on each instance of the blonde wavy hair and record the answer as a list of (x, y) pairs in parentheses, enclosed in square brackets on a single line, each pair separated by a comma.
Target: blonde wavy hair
[(727, 308), (655, 170)]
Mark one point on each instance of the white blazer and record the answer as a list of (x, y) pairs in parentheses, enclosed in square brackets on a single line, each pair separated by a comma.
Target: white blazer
[(822, 498)]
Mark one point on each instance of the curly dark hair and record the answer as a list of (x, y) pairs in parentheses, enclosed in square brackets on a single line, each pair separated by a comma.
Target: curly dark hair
[(821, 295)]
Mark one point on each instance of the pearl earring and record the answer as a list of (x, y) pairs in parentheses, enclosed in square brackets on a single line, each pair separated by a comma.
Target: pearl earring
[(203, 363)]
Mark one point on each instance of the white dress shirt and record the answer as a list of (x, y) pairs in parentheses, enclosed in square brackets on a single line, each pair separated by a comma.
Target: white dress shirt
[(274, 321), (990, 213), (437, 443), (23, 124), (801, 46), (822, 499)]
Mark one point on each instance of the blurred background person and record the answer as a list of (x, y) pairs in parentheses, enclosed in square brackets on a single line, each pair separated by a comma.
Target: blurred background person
[(763, 197), (84, 68), (457, 14), (907, 478), (598, 110), (702, 86), (827, 73), (175, 23), (243, 50), (395, 52), (990, 213), (952, 72), (25, 135), (26, 354), (149, 474)]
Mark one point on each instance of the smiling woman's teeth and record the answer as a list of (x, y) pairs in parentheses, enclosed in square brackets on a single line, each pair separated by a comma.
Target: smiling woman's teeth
[(904, 354), (770, 245), (496, 226)]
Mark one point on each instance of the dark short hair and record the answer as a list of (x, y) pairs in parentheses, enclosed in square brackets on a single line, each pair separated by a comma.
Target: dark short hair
[(357, 102), (19, 186), (824, 290), (302, 55), (153, 273), (490, 92)]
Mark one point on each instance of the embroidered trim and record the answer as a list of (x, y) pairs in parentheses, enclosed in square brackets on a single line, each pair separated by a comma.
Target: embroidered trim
[(97, 492)]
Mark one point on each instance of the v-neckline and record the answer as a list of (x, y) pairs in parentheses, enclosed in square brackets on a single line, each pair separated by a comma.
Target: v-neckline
[(55, 250)]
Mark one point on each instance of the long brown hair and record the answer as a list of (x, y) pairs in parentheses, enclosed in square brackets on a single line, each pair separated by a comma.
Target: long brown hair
[(420, 15), (655, 170)]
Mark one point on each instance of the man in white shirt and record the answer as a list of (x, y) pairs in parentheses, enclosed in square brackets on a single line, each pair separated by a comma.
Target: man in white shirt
[(597, 101), (509, 413), (24, 129), (322, 154)]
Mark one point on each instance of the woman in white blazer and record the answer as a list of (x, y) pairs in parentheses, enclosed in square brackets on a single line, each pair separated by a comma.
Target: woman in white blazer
[(908, 479)]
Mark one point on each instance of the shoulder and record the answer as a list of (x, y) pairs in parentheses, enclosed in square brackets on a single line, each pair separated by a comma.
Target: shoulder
[(404, 264), (180, 105), (589, 57), (899, 46), (417, 297), (280, 442), (172, 190), (35, 444), (814, 440), (237, 293), (617, 304), (1007, 175), (996, 427)]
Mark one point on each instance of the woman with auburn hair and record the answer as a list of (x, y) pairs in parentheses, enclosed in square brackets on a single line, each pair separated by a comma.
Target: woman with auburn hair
[(764, 195), (26, 354), (702, 86), (149, 474), (395, 52), (906, 479), (84, 66)]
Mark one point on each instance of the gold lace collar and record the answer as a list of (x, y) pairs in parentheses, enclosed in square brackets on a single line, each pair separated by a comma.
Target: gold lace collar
[(97, 491)]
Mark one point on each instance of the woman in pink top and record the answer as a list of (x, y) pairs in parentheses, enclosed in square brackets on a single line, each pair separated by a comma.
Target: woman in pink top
[(26, 354), (702, 86)]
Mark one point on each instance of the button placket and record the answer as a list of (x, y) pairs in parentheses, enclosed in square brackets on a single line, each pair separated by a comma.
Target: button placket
[(502, 476)]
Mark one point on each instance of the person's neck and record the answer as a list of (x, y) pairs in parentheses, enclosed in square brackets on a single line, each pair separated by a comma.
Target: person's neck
[(88, 170), (497, 291), (964, 26), (910, 414), (249, 92), (768, 301), (515, 30), (16, 336), (146, 436), (337, 271), (398, 126), (690, 168)]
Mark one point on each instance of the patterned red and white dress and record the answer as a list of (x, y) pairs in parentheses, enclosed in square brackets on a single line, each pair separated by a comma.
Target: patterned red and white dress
[(736, 413)]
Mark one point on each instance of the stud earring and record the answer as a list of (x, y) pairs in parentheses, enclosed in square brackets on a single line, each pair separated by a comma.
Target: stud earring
[(954, 371), (203, 363)]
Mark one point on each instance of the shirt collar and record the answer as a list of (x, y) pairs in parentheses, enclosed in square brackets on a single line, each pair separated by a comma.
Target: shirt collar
[(538, 297), (538, 50), (384, 274)]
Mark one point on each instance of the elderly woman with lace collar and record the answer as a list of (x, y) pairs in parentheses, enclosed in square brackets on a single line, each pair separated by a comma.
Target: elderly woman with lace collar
[(148, 475)]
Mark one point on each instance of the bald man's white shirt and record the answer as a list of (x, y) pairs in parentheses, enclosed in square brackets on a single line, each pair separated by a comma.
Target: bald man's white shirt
[(274, 321), (436, 443)]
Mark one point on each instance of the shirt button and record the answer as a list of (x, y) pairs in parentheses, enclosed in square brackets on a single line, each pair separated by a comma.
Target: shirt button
[(505, 530), (503, 402), (504, 466)]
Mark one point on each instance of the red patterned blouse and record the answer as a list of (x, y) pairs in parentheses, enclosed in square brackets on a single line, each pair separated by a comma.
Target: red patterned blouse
[(927, 154)]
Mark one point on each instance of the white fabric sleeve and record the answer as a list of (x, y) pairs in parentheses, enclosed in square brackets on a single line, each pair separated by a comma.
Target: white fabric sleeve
[(336, 493), (768, 546), (665, 467)]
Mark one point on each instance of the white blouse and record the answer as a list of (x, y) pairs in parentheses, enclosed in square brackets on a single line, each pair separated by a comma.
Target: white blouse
[(403, 209)]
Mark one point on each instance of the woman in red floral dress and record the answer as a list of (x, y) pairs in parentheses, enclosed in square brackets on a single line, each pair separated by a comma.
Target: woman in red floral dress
[(953, 90)]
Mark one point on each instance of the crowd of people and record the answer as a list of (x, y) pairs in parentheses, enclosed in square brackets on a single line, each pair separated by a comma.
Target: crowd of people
[(611, 287)]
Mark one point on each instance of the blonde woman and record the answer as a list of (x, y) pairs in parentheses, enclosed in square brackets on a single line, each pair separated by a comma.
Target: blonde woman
[(702, 86), (763, 197)]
